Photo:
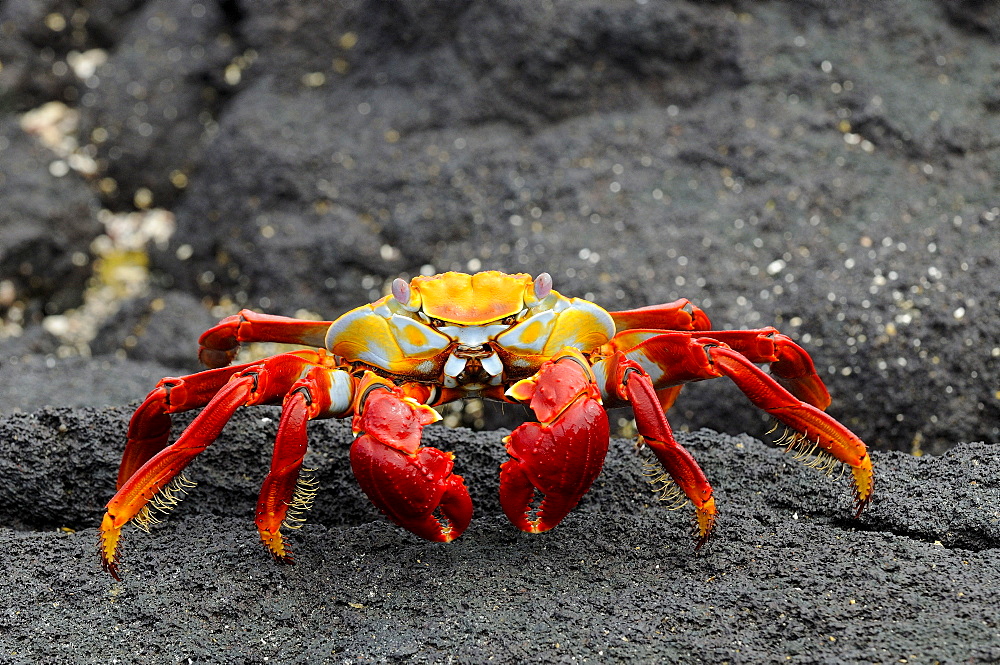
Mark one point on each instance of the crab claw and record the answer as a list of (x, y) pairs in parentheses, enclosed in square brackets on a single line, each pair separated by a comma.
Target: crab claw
[(413, 485), (418, 492), (558, 458)]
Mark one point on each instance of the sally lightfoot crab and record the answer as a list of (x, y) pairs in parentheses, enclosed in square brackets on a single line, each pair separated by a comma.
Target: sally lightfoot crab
[(438, 339)]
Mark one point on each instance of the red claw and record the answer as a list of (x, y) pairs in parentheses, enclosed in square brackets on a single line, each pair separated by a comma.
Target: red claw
[(418, 492), (560, 457), (414, 486)]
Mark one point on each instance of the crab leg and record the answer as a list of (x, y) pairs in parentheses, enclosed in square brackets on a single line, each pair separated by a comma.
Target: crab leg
[(813, 424), (256, 384), (678, 315), (412, 484), (656, 349), (628, 381), (149, 429), (218, 345), (675, 358), (321, 393), (559, 457), (789, 362)]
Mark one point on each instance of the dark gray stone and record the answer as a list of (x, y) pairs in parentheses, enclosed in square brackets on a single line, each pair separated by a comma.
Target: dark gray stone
[(162, 327), (788, 575), (151, 106), (34, 376), (30, 49), (36, 36), (47, 223)]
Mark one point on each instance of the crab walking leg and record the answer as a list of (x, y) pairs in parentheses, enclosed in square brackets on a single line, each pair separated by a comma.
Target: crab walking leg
[(674, 358), (219, 344), (667, 349), (789, 362), (257, 384), (412, 484), (814, 424), (559, 457), (678, 315), (149, 429), (629, 381), (321, 393)]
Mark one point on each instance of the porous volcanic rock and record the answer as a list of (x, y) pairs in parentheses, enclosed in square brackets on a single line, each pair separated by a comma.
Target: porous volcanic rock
[(789, 574), (792, 165), (47, 223)]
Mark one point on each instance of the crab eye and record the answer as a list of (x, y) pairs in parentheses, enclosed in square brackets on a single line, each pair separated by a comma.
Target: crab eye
[(509, 321), (543, 285), (401, 291)]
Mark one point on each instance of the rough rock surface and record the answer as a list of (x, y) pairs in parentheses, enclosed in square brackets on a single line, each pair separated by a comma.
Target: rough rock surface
[(158, 328), (47, 223), (789, 577), (152, 103), (825, 167)]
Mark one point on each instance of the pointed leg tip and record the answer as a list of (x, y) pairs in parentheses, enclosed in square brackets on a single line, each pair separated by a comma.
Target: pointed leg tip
[(704, 522), (110, 562), (277, 547), (108, 542), (864, 485), (111, 567), (861, 504)]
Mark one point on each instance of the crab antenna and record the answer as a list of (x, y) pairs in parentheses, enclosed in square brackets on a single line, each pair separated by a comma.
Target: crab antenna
[(543, 285)]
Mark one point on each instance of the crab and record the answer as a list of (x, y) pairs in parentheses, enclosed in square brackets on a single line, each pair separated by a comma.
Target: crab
[(437, 339)]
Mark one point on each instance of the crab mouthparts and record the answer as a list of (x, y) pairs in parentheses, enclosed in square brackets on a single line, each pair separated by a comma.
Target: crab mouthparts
[(472, 366)]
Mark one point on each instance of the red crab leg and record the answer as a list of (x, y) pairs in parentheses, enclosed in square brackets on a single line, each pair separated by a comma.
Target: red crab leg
[(678, 358), (678, 315), (412, 484), (257, 384), (219, 344), (814, 424), (149, 429), (558, 458), (629, 382), (789, 362), (321, 393)]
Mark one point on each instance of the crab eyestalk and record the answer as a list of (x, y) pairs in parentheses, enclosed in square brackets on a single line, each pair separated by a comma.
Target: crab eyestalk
[(404, 295), (541, 288)]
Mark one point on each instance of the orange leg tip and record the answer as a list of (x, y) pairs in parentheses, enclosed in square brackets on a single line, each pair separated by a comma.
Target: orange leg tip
[(275, 544), (109, 547), (704, 521), (864, 484)]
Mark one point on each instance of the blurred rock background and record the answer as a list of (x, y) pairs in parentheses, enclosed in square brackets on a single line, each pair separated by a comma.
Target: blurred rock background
[(827, 167)]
